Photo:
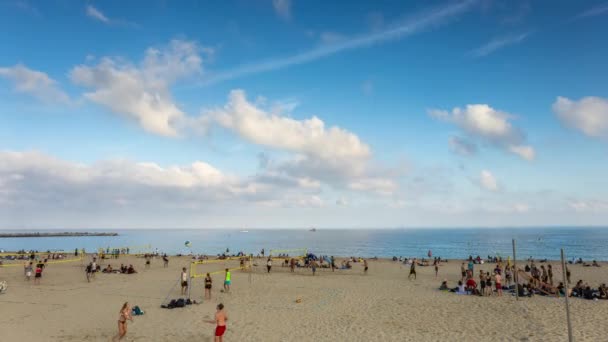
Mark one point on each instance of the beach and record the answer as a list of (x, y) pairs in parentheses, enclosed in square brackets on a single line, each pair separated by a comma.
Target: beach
[(345, 305)]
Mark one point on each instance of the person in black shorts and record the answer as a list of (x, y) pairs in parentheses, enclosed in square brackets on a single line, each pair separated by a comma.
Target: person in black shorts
[(208, 282), (184, 278), (412, 270)]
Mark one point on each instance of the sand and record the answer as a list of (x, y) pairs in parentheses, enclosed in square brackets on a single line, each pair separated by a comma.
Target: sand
[(341, 306)]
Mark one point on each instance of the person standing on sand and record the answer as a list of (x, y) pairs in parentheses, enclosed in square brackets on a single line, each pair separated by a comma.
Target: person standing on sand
[(165, 261), (550, 274), (365, 267), (124, 315), (313, 265), (220, 323), (29, 269), (269, 264), (568, 275), (208, 282), (463, 272), (436, 264), (498, 280), (227, 281), (412, 270), (38, 274), (184, 279)]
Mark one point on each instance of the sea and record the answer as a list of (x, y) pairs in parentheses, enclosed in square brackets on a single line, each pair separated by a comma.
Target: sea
[(451, 243)]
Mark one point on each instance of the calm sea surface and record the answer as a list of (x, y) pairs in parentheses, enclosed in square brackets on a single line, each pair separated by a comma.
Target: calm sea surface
[(587, 243)]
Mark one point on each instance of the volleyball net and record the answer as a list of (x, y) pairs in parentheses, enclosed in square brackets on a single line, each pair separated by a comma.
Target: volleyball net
[(296, 253), (21, 262), (219, 266)]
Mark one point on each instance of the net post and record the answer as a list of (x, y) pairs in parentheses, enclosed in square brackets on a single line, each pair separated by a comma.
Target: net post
[(189, 279), (564, 278), (516, 273)]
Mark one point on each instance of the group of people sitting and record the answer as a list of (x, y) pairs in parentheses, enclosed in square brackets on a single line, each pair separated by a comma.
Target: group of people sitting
[(583, 290), (123, 269)]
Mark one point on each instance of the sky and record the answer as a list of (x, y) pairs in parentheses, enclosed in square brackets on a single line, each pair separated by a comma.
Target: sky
[(297, 114)]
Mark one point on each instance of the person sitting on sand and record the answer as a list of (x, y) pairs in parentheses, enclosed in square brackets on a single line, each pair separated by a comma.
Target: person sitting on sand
[(131, 270), (595, 264), (603, 291), (123, 316), (471, 286), (444, 285), (108, 269), (461, 288)]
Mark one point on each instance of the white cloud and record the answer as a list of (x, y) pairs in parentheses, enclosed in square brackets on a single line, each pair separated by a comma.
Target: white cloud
[(331, 37), (588, 115), (591, 205), (30, 180), (488, 181), (462, 146), (594, 11), (499, 43), (96, 14), (35, 83), (142, 92), (483, 122), (418, 23), (367, 87), (331, 155), (282, 8), (310, 136)]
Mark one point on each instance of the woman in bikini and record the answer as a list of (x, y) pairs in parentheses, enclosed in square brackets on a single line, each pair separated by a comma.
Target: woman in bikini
[(124, 315), (208, 282)]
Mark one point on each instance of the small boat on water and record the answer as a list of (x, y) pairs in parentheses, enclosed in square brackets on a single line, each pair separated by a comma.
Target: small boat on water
[(313, 229), (244, 231)]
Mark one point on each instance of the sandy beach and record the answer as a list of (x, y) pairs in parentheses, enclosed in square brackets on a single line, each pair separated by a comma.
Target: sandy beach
[(345, 305)]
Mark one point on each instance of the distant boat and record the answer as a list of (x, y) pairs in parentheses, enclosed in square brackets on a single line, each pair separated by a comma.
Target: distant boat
[(313, 229), (244, 231)]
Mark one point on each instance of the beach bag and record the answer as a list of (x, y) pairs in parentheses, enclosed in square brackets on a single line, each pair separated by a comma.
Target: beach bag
[(137, 311)]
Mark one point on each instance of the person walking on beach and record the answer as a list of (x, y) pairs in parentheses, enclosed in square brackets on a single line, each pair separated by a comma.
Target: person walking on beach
[(123, 316), (436, 264), (227, 281), (365, 267), (313, 265), (165, 261), (498, 280), (269, 264), (412, 270), (220, 323), (184, 278), (208, 282), (38, 274), (29, 269), (550, 274)]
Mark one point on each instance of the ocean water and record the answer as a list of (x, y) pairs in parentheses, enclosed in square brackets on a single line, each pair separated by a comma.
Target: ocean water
[(586, 243)]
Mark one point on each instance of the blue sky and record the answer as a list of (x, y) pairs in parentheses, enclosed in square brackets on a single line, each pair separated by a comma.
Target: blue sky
[(286, 113)]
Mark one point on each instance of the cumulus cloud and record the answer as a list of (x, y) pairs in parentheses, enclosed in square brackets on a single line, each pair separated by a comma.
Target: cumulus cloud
[(489, 125), (309, 136), (488, 181), (282, 8), (330, 154), (30, 180), (588, 115), (35, 83), (142, 92)]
